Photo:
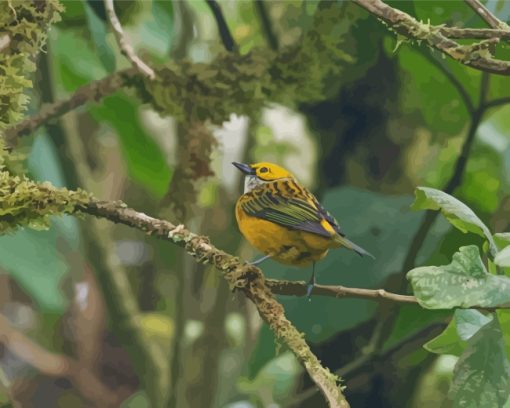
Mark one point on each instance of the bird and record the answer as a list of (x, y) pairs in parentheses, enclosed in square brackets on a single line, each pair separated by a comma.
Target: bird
[(285, 221)]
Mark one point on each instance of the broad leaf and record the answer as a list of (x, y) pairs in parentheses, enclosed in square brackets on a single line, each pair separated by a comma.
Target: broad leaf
[(463, 283), (502, 239), (503, 257), (448, 342), (457, 213), (504, 321), (469, 321), (482, 374), (454, 339)]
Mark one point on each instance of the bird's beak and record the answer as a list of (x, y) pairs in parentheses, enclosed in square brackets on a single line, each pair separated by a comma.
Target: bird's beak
[(245, 168)]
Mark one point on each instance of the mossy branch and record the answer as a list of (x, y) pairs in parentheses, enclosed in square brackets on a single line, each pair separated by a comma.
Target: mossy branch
[(477, 55), (26, 204), (231, 83)]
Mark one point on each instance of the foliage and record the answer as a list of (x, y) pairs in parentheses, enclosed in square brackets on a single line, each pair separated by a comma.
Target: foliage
[(482, 373), (378, 117)]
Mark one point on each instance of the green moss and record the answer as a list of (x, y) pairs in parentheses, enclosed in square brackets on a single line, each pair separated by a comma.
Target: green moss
[(243, 84), (26, 203), (24, 25)]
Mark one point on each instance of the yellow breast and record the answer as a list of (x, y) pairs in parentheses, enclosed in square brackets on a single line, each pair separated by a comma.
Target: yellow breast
[(285, 245)]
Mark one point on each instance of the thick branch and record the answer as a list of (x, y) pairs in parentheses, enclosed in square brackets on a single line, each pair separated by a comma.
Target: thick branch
[(475, 55), (124, 45), (244, 277), (57, 365), (93, 91)]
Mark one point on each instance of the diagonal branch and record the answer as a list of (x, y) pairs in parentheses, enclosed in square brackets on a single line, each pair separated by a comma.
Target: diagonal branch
[(226, 36), (487, 16), (457, 84), (495, 103), (57, 365), (124, 45), (93, 91), (243, 277), (473, 55)]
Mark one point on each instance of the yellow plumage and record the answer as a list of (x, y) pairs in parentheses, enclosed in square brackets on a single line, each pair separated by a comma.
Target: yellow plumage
[(283, 220)]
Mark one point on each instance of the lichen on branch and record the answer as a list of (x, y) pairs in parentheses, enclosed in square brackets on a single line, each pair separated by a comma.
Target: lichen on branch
[(26, 203), (243, 84), (23, 34)]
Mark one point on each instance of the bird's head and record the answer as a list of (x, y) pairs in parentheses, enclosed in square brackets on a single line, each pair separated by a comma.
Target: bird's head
[(260, 173)]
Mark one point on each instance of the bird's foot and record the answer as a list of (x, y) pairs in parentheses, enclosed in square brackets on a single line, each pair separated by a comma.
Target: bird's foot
[(309, 289), (260, 260)]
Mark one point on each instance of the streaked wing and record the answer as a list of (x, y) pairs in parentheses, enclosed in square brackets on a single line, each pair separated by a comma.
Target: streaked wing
[(329, 218), (290, 212)]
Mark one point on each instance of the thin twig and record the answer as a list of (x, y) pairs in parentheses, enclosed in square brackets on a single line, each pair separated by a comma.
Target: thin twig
[(452, 78), (487, 16), (299, 288), (226, 36), (57, 365), (495, 103), (472, 55), (271, 37), (125, 46)]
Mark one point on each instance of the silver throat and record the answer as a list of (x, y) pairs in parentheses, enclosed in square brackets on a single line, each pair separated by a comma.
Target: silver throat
[(251, 182)]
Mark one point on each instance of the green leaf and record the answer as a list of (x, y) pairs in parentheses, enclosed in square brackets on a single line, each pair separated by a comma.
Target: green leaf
[(504, 321), (456, 212), (145, 160), (454, 339), (463, 283), (503, 257), (448, 342), (502, 239), (469, 321), (482, 374)]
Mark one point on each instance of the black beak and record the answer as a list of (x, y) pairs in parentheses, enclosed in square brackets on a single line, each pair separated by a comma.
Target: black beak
[(245, 168)]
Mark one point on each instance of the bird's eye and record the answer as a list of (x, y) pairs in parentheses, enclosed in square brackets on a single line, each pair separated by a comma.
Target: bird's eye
[(264, 170)]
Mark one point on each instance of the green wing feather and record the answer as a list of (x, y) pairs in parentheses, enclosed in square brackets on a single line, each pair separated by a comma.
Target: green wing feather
[(294, 212), (290, 212)]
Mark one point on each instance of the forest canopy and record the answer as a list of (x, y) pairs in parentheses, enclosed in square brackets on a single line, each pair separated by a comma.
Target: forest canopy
[(125, 278)]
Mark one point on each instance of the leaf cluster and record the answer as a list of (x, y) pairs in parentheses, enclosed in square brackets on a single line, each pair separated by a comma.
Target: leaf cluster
[(482, 373)]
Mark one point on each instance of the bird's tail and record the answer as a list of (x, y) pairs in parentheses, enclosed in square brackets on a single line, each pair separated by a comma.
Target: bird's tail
[(342, 241)]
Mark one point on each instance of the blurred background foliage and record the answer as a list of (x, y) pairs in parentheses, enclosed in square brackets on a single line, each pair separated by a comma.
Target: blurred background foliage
[(360, 118)]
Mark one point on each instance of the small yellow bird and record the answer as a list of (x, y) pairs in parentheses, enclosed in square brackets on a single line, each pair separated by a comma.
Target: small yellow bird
[(283, 220)]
